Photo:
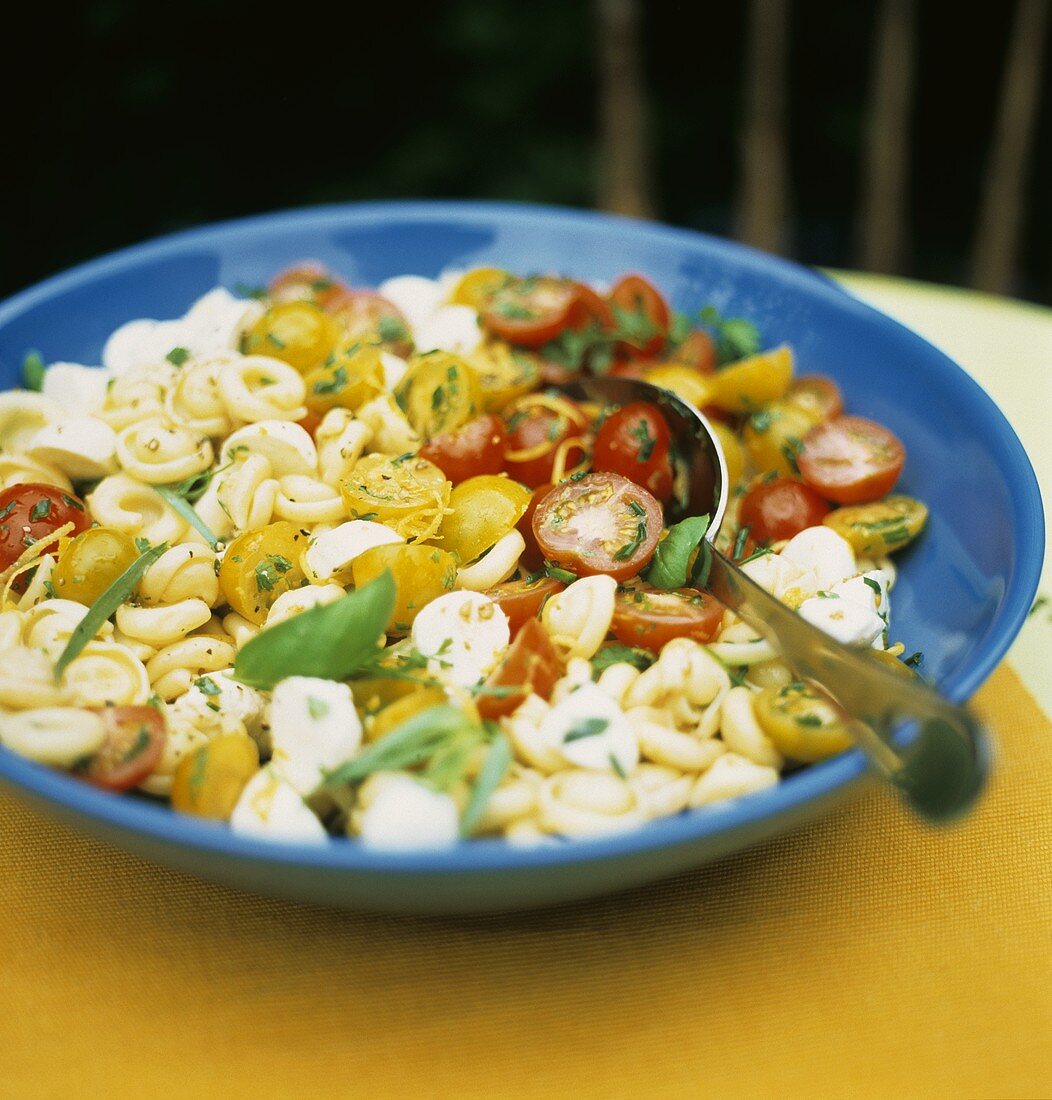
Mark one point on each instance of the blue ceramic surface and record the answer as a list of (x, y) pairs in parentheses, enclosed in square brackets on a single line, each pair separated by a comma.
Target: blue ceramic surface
[(963, 591)]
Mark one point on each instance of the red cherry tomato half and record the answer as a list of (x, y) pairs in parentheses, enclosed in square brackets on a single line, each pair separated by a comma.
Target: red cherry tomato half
[(601, 523), (589, 308), (851, 460), (649, 311), (530, 312), (523, 600), (649, 617), (474, 448), (531, 557), (30, 511), (531, 665), (370, 317), (308, 281), (634, 442), (781, 508), (818, 394), (698, 351), (134, 743), (535, 431)]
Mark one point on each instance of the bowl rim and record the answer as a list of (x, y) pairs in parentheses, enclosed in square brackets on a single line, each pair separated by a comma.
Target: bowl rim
[(788, 799)]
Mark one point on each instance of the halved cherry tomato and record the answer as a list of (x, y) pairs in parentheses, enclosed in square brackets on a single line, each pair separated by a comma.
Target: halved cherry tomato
[(477, 285), (648, 312), (406, 492), (601, 523), (208, 782), (530, 665), (648, 617), (522, 600), (29, 512), (537, 427), (531, 557), (480, 512), (308, 281), (697, 350), (476, 447), (817, 394), (590, 308), (298, 333), (134, 743), (634, 442), (779, 509), (530, 312), (371, 318), (90, 563), (261, 565), (851, 460)]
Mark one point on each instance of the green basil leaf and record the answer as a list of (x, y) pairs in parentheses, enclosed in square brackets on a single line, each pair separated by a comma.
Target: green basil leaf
[(671, 561), (330, 641), (180, 505), (493, 770), (620, 654), (106, 605)]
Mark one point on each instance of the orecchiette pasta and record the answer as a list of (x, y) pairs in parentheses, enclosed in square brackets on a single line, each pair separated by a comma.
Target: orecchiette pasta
[(194, 399), (579, 617), (181, 573), (128, 505)]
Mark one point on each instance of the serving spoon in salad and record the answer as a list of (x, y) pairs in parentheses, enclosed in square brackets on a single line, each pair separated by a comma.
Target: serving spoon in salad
[(933, 751)]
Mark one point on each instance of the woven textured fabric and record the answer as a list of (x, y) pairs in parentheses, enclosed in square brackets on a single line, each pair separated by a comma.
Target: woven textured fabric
[(863, 956)]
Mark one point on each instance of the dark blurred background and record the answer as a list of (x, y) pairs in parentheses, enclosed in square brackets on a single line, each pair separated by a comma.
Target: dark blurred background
[(886, 135)]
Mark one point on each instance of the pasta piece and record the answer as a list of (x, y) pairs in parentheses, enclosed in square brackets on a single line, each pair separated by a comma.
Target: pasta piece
[(390, 431), (287, 447), (663, 744), (731, 776), (523, 730), (136, 397), (587, 803), (254, 388), (302, 599), (742, 733), (514, 799), (38, 588), (181, 573), (684, 681), (578, 618), (27, 680), (18, 469), (57, 736), (160, 453), (306, 500), (134, 508), (616, 679), (194, 400), (662, 791), (47, 626), (496, 566), (341, 442), (161, 626), (22, 415), (173, 669), (106, 672)]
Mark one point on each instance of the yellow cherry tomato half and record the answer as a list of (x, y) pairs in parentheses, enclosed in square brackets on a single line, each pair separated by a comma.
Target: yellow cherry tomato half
[(298, 333), (746, 385), (406, 492), (880, 527), (439, 392), (773, 436), (414, 702), (421, 574), (482, 511), (208, 782), (476, 286), (802, 725), (347, 379), (733, 452), (259, 566), (90, 563), (688, 383), (503, 373)]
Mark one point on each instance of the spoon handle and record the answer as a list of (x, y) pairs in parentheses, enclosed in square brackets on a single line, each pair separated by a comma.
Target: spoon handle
[(940, 770)]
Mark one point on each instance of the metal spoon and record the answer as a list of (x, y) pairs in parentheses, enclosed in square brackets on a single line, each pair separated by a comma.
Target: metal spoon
[(941, 768)]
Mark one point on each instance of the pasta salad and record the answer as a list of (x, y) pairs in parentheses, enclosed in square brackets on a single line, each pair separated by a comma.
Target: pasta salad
[(320, 561)]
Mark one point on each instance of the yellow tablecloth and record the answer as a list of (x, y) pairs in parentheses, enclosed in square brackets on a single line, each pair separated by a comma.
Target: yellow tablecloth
[(863, 956)]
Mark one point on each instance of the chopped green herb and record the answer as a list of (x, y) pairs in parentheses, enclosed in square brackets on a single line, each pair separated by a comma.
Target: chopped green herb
[(178, 356), (391, 328), (739, 542), (735, 337), (791, 449), (617, 766), (72, 502), (558, 574), (641, 433), (494, 768), (630, 548), (317, 708), (335, 384), (40, 510), (276, 341), (812, 721), (587, 727), (33, 370), (207, 686), (620, 654), (270, 571)]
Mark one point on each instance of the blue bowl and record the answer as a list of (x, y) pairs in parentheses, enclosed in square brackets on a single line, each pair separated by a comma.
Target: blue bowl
[(963, 592)]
